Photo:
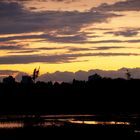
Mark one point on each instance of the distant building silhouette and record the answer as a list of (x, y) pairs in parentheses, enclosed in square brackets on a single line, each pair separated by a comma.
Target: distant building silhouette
[(26, 79), (9, 80), (94, 77)]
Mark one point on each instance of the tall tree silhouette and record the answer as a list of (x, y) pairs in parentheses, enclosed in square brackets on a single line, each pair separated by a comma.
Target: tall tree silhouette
[(35, 73)]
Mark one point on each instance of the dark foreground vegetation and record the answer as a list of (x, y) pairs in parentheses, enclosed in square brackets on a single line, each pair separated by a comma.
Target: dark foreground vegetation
[(107, 97), (79, 97)]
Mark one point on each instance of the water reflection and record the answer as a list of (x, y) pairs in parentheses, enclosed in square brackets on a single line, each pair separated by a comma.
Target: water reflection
[(100, 122), (22, 121), (11, 125)]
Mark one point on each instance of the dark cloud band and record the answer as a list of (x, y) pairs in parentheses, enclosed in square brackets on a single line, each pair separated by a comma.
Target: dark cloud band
[(64, 58), (128, 5)]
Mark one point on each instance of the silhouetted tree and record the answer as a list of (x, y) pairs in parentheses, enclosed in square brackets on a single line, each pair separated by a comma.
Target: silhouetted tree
[(94, 77), (35, 73), (9, 80)]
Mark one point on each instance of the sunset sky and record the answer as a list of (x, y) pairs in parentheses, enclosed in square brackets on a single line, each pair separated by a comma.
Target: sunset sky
[(69, 35)]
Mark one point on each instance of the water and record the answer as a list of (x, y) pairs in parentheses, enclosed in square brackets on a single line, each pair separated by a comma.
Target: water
[(89, 126), (23, 121)]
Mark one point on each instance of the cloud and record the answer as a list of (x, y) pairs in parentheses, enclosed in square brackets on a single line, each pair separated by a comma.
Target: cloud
[(108, 47), (15, 73), (25, 59), (49, 48), (76, 38), (67, 76), (57, 76), (65, 1), (76, 49), (83, 75), (116, 41), (31, 50), (62, 58), (51, 38), (23, 51), (133, 41), (125, 33), (100, 29), (5, 73), (10, 10), (10, 47), (128, 5), (79, 38), (21, 20)]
